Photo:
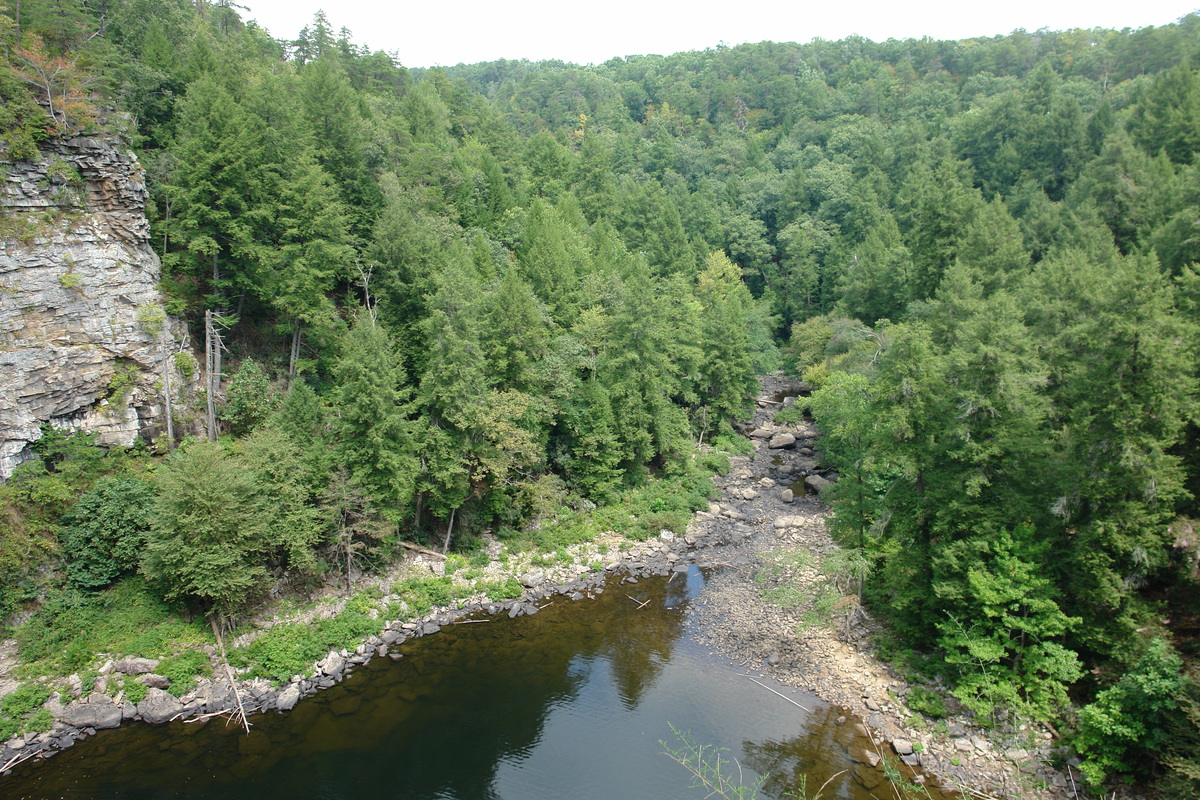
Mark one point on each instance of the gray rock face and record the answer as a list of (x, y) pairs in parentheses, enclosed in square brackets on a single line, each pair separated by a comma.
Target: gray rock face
[(158, 707), (95, 711), (79, 299), (155, 681)]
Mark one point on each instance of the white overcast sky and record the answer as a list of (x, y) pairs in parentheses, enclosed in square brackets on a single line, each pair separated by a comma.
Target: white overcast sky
[(427, 34)]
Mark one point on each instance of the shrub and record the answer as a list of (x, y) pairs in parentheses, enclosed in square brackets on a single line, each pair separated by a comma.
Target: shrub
[(733, 444), (790, 415), (185, 363), (716, 463), (73, 626), (135, 690), (288, 650), (927, 702), (422, 594), (250, 399), (21, 710), (183, 670), (1128, 725), (103, 534)]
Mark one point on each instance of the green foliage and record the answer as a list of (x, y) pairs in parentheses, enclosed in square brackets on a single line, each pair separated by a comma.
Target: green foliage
[(1182, 759), (287, 650), (33, 500), (789, 415), (378, 444), (21, 711), (507, 589), (151, 318), (185, 362), (1128, 723), (1009, 656), (103, 534), (716, 463), (70, 628), (249, 399), (124, 378), (926, 701), (183, 670), (207, 539), (560, 283), (135, 691), (423, 593)]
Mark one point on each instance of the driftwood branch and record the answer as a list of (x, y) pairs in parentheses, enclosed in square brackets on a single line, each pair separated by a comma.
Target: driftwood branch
[(780, 694), (417, 548), (229, 674)]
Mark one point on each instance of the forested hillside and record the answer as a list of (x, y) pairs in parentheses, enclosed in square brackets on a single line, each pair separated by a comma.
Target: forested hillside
[(473, 297)]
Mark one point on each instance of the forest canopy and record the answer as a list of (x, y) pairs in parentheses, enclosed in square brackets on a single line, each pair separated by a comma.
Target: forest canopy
[(461, 298)]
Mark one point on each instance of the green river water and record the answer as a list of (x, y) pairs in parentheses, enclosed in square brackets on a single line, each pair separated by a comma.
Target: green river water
[(568, 704)]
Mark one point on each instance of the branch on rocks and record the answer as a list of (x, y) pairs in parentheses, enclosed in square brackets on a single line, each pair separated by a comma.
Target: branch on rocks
[(418, 549), (229, 674)]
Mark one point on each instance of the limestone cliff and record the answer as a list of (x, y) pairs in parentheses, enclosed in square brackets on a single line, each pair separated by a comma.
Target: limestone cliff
[(84, 339)]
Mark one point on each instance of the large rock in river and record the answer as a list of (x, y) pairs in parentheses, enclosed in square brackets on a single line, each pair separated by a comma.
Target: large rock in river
[(159, 707), (288, 698), (95, 711)]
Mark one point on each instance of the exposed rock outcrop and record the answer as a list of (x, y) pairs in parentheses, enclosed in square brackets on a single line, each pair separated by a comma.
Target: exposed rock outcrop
[(84, 339)]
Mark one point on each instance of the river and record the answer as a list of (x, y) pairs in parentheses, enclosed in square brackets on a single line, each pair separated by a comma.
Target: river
[(569, 704)]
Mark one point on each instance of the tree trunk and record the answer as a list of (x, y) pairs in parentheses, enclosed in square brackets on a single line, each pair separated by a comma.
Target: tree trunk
[(296, 333), (449, 533), (209, 369), (229, 674), (167, 402)]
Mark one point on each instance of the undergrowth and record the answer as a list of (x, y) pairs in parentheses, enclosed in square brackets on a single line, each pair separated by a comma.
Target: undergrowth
[(126, 620), (21, 711)]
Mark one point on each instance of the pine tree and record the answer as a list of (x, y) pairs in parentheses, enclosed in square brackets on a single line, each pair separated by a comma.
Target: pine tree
[(378, 440)]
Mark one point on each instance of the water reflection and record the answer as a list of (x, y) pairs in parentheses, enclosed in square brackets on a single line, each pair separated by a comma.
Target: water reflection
[(569, 703)]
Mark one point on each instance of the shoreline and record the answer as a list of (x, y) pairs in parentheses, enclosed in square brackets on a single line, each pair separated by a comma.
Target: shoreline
[(844, 670), (736, 534)]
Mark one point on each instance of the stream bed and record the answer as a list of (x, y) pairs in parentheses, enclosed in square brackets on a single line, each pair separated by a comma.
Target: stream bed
[(569, 704)]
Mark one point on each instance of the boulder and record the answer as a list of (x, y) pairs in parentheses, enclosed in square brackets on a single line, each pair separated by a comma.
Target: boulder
[(790, 522), (159, 707), (761, 433), (288, 698), (136, 666), (786, 496), (817, 483), (903, 747), (333, 665), (95, 711), (155, 681), (782, 441)]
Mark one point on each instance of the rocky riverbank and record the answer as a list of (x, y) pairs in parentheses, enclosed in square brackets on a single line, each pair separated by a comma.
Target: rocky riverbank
[(772, 518), (78, 713), (769, 511)]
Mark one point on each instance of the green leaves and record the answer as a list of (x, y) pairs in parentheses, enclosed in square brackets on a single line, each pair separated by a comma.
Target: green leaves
[(207, 538), (102, 535), (1128, 723)]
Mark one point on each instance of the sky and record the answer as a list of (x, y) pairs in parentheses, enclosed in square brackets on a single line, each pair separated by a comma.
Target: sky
[(424, 34)]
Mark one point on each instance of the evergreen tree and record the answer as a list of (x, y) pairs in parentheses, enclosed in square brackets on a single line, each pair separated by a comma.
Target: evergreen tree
[(378, 440)]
